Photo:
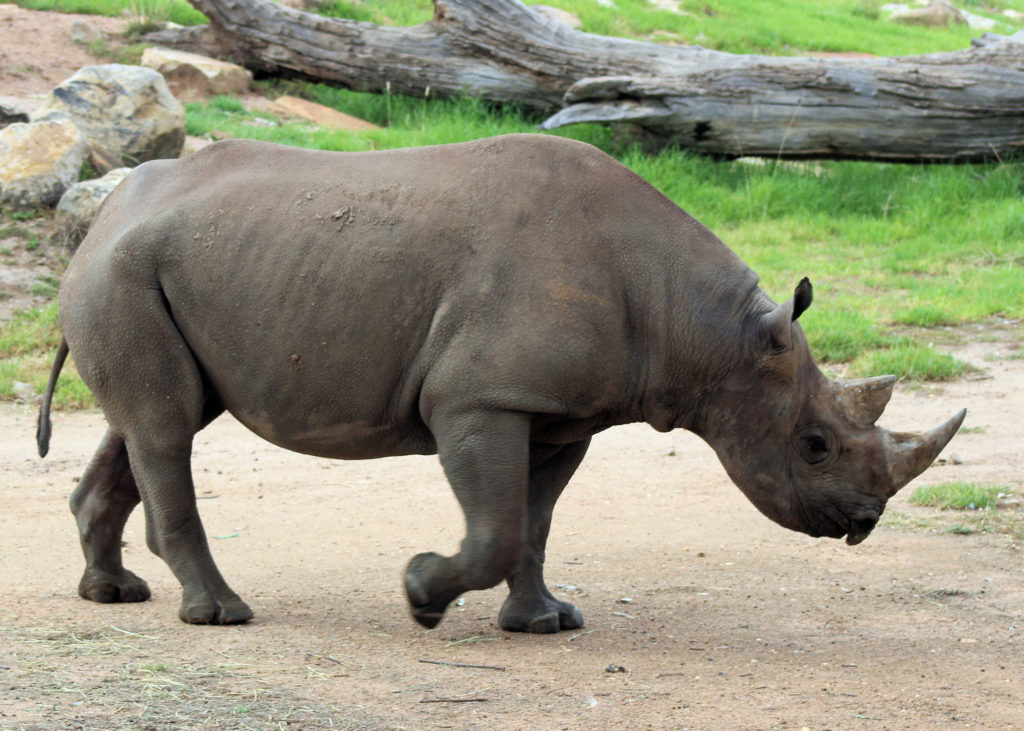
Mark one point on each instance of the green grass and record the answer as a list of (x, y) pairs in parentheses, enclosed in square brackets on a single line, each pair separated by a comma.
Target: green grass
[(958, 496), (738, 26), (892, 250), (22, 215), (909, 360), (27, 346), (176, 11), (14, 232), (380, 12), (963, 508), (777, 28)]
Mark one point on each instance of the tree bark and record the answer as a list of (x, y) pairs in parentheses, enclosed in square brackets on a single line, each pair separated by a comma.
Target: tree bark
[(964, 105)]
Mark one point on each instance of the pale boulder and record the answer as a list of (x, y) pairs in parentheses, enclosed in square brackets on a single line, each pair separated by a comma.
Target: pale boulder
[(191, 76), (127, 112), (81, 31), (937, 14), (78, 206), (39, 161), (11, 113)]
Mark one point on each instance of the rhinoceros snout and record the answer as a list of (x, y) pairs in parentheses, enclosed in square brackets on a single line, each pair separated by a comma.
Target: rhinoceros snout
[(860, 528)]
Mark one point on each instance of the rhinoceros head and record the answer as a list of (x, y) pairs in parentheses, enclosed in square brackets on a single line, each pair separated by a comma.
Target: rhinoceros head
[(804, 448)]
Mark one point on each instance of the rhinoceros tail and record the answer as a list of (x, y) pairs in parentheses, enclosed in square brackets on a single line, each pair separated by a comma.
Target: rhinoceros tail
[(43, 427)]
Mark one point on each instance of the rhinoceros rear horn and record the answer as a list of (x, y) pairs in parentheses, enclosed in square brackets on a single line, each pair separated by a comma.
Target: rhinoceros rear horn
[(863, 400), (909, 455)]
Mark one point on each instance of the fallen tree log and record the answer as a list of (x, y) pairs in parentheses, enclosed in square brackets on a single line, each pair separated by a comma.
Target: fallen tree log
[(935, 108), (964, 105)]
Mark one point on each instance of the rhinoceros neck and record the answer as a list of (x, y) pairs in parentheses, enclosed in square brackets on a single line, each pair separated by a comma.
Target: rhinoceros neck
[(705, 299)]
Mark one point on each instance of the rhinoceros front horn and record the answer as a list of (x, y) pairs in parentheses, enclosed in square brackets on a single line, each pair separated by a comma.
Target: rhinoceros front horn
[(909, 455)]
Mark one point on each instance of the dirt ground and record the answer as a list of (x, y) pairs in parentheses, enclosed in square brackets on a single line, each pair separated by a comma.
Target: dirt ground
[(710, 616), (700, 613)]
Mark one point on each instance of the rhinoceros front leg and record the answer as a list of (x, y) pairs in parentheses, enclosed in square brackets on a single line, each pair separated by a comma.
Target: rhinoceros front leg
[(530, 607), (101, 504), (485, 456)]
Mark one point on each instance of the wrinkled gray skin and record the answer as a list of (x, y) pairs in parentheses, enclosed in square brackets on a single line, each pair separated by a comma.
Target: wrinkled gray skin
[(496, 302)]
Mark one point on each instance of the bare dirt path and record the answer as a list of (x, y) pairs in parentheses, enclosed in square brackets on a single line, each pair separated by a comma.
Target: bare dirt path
[(731, 621)]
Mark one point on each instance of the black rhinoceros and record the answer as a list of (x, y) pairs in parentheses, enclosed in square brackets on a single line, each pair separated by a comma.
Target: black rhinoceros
[(497, 302)]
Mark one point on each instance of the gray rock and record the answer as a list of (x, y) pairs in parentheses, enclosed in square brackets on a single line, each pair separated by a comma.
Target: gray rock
[(190, 75), (9, 114), (937, 14), (81, 32), (127, 111), (39, 161), (979, 22), (78, 206)]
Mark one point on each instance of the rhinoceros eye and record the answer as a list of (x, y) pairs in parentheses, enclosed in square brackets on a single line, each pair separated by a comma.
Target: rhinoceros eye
[(815, 444)]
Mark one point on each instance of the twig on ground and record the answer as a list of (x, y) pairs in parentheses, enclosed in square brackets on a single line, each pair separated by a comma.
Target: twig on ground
[(463, 664)]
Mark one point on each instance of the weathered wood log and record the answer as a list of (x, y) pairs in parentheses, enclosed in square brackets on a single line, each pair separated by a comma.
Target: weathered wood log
[(939, 107), (962, 105)]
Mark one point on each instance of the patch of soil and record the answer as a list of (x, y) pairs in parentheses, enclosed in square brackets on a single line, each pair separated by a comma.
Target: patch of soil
[(700, 613), (37, 53)]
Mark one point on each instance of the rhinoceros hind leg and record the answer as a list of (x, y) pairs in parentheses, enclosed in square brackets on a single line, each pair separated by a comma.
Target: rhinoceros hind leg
[(530, 607), (101, 504)]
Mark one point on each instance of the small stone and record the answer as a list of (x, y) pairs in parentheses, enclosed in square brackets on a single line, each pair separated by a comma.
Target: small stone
[(81, 32), (23, 391)]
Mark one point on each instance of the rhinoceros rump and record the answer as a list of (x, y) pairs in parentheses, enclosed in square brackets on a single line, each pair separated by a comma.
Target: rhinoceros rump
[(497, 302)]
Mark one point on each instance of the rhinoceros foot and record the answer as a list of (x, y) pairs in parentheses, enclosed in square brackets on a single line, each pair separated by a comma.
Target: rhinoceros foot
[(431, 584), (110, 588), (540, 615), (210, 610)]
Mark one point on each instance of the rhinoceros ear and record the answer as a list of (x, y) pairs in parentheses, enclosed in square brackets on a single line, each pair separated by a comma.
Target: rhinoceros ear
[(802, 297), (778, 323)]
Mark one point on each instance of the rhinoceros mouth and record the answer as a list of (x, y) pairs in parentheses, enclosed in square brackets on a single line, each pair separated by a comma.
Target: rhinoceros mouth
[(860, 529)]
